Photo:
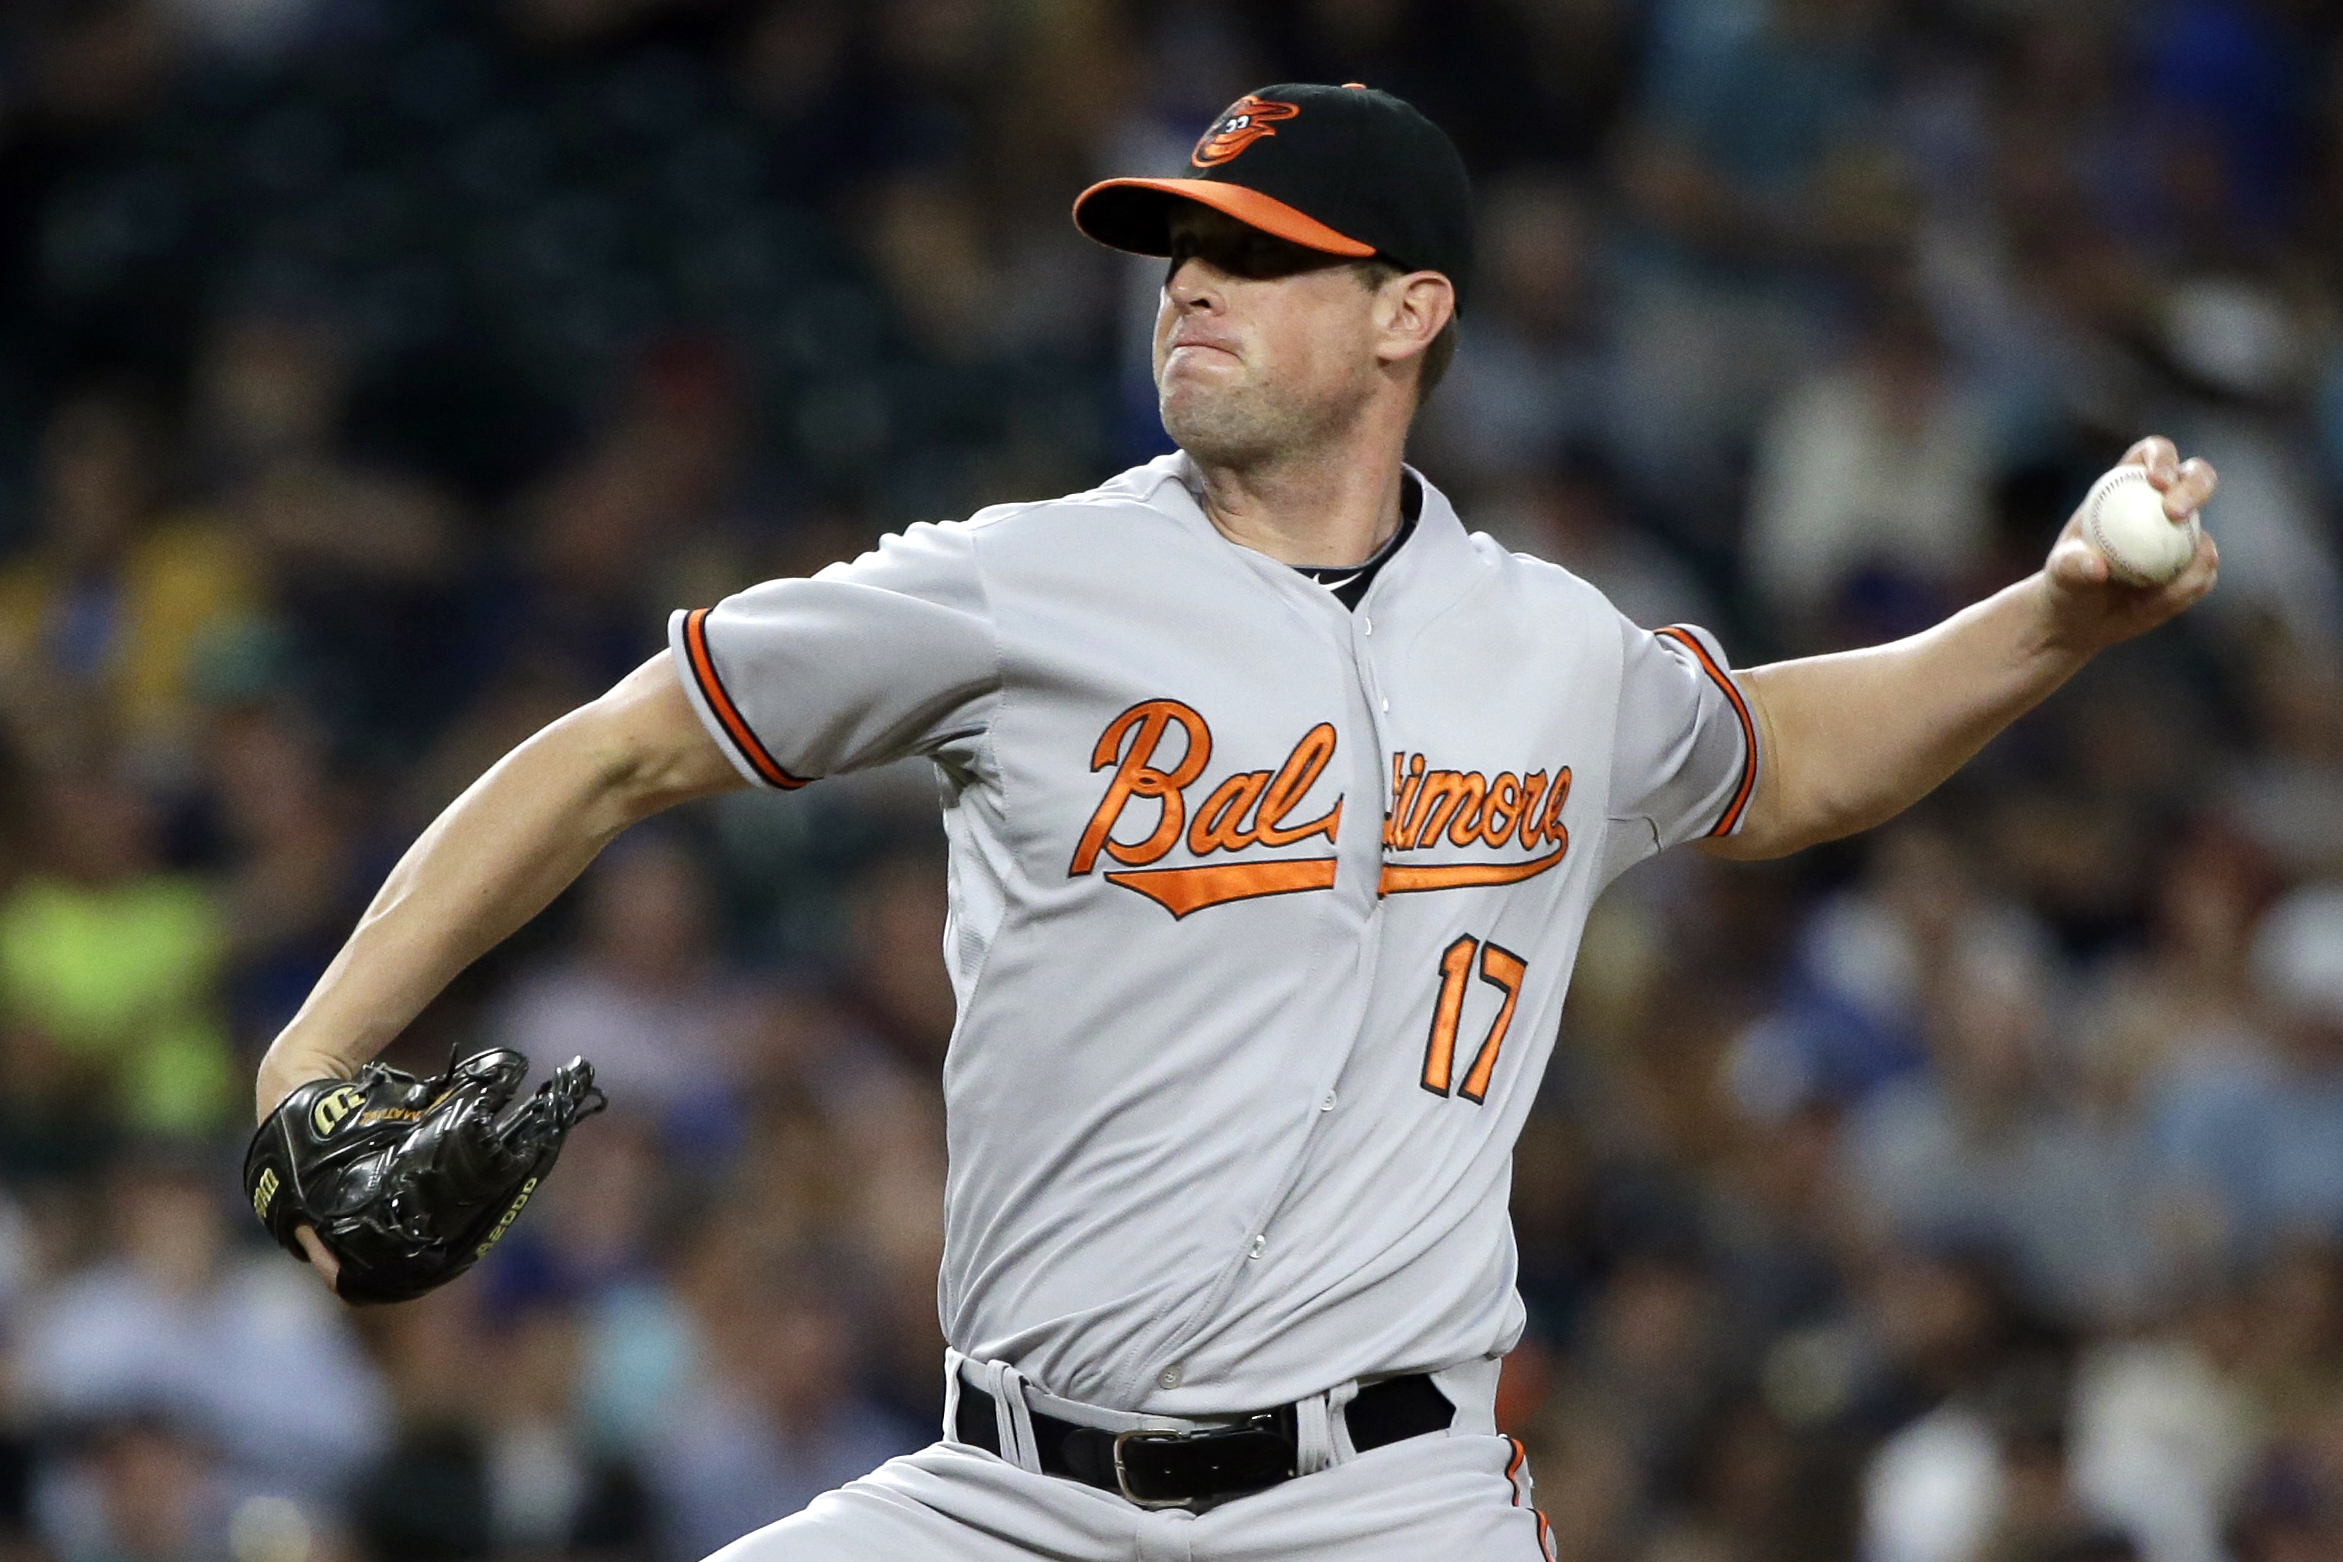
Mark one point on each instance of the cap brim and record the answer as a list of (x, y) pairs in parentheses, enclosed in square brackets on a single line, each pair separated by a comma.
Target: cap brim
[(1135, 215)]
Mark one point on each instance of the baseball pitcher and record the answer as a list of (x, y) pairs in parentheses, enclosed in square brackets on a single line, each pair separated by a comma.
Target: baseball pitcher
[(1276, 801)]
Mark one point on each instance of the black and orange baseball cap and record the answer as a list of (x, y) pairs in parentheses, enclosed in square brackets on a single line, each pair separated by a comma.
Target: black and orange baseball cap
[(1346, 170)]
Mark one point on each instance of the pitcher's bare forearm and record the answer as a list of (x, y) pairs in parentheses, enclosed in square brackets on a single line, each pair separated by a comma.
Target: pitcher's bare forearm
[(499, 855), (1853, 739)]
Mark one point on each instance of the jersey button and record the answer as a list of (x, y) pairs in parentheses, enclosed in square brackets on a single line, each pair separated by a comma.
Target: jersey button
[(1170, 1376), (1327, 1104), (1366, 623), (1260, 1245)]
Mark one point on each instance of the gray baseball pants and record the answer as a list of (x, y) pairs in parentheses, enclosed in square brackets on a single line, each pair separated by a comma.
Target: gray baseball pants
[(1444, 1497)]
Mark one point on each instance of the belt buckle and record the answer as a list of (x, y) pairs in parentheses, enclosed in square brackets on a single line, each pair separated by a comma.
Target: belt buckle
[(1260, 1426), (1123, 1478)]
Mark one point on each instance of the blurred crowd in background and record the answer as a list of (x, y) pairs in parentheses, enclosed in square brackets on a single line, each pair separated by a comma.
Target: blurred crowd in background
[(376, 374)]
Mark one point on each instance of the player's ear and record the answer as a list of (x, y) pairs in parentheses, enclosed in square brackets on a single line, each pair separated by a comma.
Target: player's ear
[(1412, 310)]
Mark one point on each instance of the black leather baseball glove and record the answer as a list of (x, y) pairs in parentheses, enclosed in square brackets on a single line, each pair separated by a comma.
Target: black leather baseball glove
[(408, 1181)]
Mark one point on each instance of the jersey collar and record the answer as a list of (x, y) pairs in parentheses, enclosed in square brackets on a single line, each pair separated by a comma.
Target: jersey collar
[(1434, 568), (1177, 472)]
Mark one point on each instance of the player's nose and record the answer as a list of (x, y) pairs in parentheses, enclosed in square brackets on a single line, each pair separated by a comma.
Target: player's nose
[(1194, 284)]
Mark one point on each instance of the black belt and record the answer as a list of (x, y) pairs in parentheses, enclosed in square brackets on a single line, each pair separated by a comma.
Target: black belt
[(1192, 1469)]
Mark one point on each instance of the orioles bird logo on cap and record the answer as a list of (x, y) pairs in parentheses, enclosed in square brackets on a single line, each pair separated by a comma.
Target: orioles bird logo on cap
[(1248, 119)]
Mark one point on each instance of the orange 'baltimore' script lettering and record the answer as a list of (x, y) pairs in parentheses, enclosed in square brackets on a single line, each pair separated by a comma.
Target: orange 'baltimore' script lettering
[(1247, 810), (1133, 738), (1467, 808)]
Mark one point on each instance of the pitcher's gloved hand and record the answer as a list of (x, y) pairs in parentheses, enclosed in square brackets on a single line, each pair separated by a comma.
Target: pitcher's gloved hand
[(407, 1181)]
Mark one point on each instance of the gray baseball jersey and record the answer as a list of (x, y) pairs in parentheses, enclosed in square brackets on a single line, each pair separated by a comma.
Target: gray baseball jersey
[(1262, 909)]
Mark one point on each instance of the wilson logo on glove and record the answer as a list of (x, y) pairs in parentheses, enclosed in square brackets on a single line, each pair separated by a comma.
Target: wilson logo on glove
[(334, 1108), (412, 1191)]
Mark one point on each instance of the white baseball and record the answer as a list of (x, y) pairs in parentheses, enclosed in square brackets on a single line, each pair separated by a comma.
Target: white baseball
[(2123, 517)]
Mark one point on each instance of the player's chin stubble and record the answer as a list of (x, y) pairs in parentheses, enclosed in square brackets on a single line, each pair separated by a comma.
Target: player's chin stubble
[(1246, 424)]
